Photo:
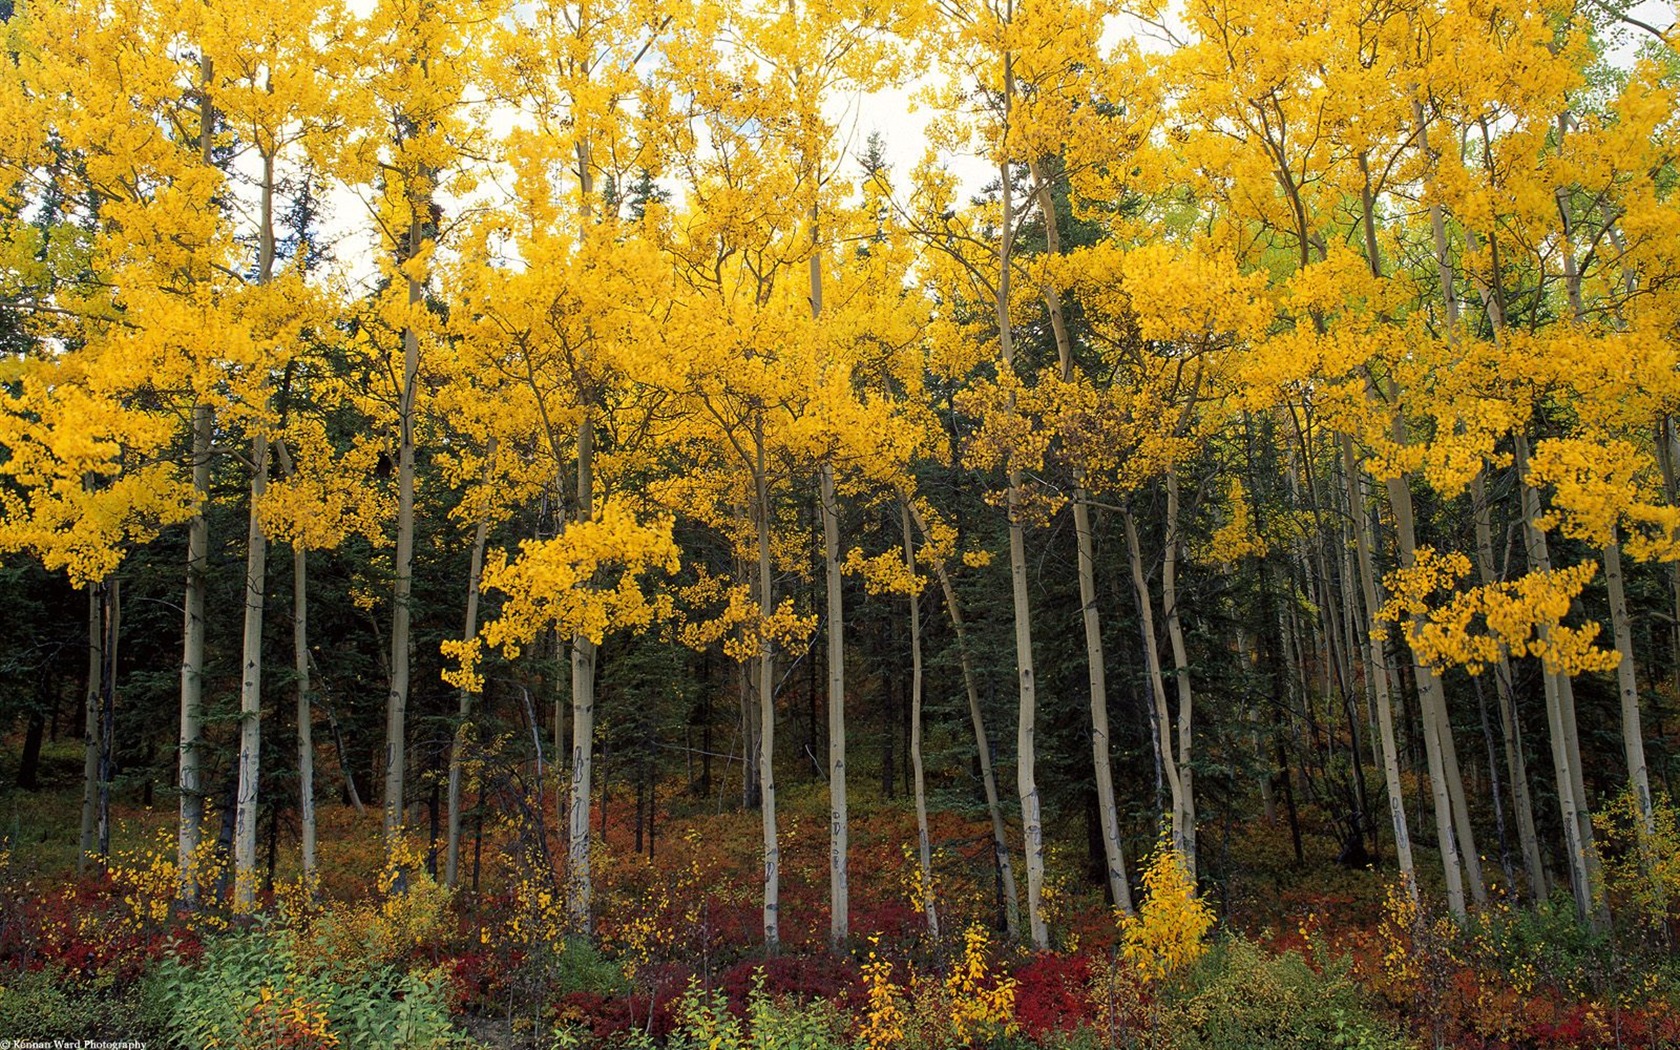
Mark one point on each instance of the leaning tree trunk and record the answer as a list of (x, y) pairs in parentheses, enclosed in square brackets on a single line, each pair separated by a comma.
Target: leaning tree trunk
[(1432, 714), (1165, 755), (983, 746), (1184, 817)]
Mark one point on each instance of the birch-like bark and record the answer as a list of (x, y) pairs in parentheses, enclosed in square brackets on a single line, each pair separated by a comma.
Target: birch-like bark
[(1184, 817), (469, 629), (1376, 671), (250, 689), (1566, 752), (983, 745), (924, 847), (189, 779), (1627, 687), (256, 586), (305, 713), (767, 705), (838, 888), (396, 704), (1107, 813), (1432, 714), (1165, 754), (580, 898), (91, 724), (1516, 766)]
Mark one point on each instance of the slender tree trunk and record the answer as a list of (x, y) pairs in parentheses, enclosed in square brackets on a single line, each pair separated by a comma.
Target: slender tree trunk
[(396, 706), (1026, 777), (198, 564), (1431, 715), (91, 734), (250, 688), (924, 848), (256, 586), (1633, 734), (108, 712), (983, 746), (767, 706), (580, 897), (1165, 754), (192, 658), (1184, 817), (1113, 856), (838, 885), (1566, 752), (1516, 767), (469, 630), (305, 712)]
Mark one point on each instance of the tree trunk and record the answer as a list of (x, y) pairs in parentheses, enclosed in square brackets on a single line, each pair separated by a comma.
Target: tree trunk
[(396, 706), (250, 689), (924, 849), (1431, 715), (580, 897), (192, 658), (198, 564), (1560, 700), (91, 734), (1633, 734), (1516, 767), (767, 706), (481, 536), (1184, 818), (838, 886), (1108, 817), (982, 742), (1165, 754), (305, 712)]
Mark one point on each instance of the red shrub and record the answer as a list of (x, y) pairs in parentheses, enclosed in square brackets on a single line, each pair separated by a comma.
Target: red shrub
[(1050, 994)]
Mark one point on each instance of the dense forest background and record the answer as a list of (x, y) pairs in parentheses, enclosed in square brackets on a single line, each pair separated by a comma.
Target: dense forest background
[(510, 509)]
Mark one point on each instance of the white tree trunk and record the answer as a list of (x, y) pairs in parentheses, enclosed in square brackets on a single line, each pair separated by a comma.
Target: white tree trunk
[(767, 709), (924, 847), (481, 537), (1184, 816), (305, 714), (250, 689), (839, 891), (1376, 672)]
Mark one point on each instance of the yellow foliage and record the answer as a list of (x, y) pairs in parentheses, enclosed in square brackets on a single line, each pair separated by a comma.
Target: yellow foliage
[(982, 1004), (1473, 627), (1169, 931), (883, 1016)]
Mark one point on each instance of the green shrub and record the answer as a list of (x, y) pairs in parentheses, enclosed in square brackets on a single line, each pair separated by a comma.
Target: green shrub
[(43, 1004), (49, 1004), (1238, 997), (249, 990), (704, 1022)]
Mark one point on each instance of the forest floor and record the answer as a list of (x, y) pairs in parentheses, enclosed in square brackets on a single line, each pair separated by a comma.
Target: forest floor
[(1305, 953)]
